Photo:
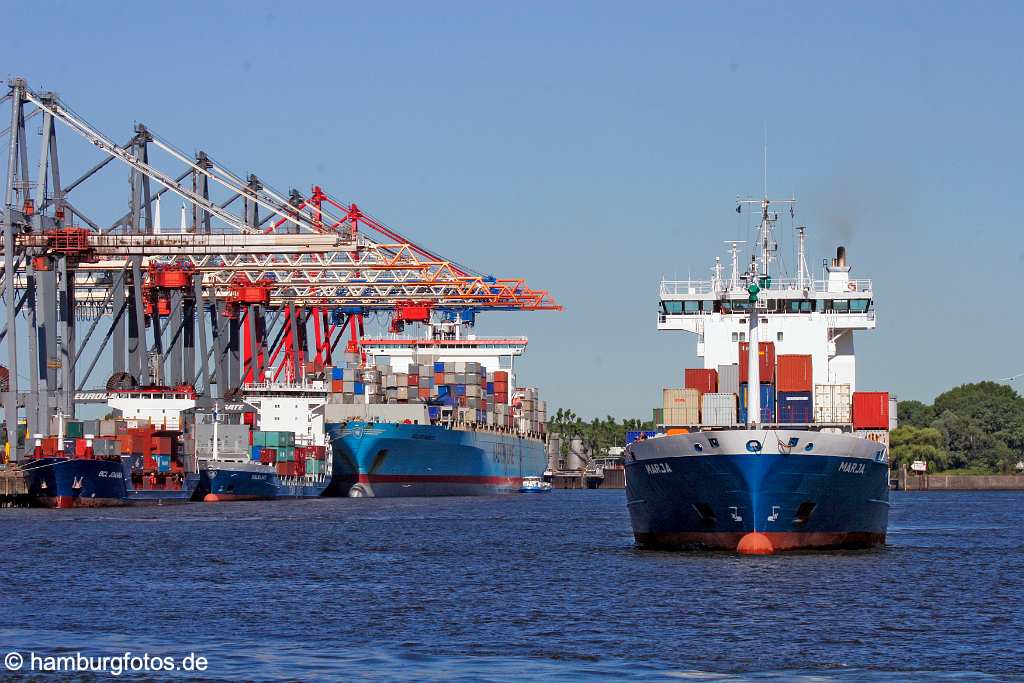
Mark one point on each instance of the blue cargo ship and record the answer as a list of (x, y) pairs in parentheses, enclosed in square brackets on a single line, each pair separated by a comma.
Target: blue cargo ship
[(223, 480), (395, 459), (788, 465), (64, 482), (796, 488)]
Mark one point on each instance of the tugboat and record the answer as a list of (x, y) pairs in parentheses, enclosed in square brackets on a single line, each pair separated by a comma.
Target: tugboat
[(794, 467)]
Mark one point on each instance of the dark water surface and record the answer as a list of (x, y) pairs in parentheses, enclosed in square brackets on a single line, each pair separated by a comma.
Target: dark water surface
[(512, 587)]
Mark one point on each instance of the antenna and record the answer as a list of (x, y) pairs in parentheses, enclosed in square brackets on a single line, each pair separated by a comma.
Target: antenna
[(764, 167)]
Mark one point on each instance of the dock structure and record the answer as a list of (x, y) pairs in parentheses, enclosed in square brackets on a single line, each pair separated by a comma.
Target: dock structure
[(248, 284), (13, 487)]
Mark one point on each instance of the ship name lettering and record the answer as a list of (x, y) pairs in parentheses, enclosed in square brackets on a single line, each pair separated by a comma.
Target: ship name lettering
[(110, 475), (852, 467), (658, 468)]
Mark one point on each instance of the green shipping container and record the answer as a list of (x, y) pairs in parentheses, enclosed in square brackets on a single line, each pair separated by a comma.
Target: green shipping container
[(659, 416), (285, 454), (73, 429), (259, 438), (314, 467), (279, 439)]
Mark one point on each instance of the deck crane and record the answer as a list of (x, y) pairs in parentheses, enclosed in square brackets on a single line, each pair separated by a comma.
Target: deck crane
[(243, 280)]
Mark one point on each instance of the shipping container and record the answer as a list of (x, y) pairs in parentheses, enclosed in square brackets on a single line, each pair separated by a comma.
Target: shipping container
[(163, 463), (681, 406), (832, 403), (794, 373), (718, 409), (893, 417), (703, 380), (879, 435), (871, 410), (729, 379), (767, 396), (795, 407), (766, 367), (659, 416)]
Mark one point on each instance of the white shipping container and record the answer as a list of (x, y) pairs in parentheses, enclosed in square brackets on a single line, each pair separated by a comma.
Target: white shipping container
[(893, 419), (832, 403), (718, 410)]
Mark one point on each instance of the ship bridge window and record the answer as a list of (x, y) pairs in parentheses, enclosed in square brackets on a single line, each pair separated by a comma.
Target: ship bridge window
[(799, 306), (859, 305), (672, 307), (841, 305), (778, 336), (691, 306), (707, 306)]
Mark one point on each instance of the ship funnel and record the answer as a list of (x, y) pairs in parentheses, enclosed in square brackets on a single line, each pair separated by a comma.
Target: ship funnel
[(840, 260)]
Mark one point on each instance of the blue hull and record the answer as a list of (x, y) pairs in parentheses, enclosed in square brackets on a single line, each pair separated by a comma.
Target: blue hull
[(796, 500), (74, 482), (429, 460), (302, 488), (220, 483)]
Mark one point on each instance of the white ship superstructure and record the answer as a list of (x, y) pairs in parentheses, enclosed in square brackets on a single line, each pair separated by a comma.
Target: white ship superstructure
[(801, 315)]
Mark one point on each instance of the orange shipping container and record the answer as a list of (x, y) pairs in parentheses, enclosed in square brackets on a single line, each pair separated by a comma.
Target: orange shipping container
[(871, 410), (704, 381), (794, 373), (766, 368)]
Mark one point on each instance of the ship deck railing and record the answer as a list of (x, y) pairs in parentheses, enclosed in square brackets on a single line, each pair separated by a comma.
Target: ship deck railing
[(712, 288), (466, 426)]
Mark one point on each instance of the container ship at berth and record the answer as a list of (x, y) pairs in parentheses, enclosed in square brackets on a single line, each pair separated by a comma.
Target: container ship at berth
[(769, 446), (434, 416)]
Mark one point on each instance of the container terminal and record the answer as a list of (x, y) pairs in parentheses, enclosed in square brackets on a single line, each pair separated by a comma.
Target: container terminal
[(222, 354)]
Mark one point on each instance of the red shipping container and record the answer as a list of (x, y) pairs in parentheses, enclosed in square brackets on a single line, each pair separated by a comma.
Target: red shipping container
[(794, 373), (424, 392), (766, 368), (871, 410), (284, 469), (501, 376), (249, 419), (79, 448), (336, 386), (704, 381), (438, 378)]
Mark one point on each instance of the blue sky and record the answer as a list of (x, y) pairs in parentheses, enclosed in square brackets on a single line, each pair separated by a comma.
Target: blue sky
[(594, 147)]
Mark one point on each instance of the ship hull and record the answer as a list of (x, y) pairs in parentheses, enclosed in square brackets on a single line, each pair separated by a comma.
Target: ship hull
[(832, 496), (392, 460), (226, 482), (75, 482)]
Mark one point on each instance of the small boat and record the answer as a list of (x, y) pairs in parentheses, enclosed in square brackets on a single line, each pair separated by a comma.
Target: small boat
[(534, 485)]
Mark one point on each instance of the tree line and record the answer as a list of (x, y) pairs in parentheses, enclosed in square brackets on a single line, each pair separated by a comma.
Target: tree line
[(597, 435), (974, 428)]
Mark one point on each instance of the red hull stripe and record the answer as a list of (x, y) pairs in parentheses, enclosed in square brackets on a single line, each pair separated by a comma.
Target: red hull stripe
[(435, 479), (781, 540)]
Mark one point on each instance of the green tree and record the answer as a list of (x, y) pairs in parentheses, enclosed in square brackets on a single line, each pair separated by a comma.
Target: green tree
[(915, 414), (909, 443)]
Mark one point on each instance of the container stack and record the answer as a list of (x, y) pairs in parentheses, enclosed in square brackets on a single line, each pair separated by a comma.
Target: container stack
[(473, 394), (832, 403), (795, 385), (681, 406)]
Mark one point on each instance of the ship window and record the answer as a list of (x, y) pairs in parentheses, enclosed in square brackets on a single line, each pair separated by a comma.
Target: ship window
[(691, 306), (735, 336), (819, 305), (778, 336), (859, 305), (672, 307), (805, 306), (841, 305), (697, 447), (793, 306), (707, 306), (743, 336)]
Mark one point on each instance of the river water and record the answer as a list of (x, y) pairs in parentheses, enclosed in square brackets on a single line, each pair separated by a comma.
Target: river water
[(507, 588)]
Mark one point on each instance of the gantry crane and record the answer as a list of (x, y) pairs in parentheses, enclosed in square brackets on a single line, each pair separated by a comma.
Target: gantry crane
[(244, 277)]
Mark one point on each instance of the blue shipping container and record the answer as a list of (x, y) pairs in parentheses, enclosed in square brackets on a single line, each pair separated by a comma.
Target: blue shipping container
[(490, 387), (360, 388), (633, 436), (336, 373), (767, 403), (796, 407), (443, 390), (460, 389), (438, 367), (434, 412), (163, 463), (256, 451)]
